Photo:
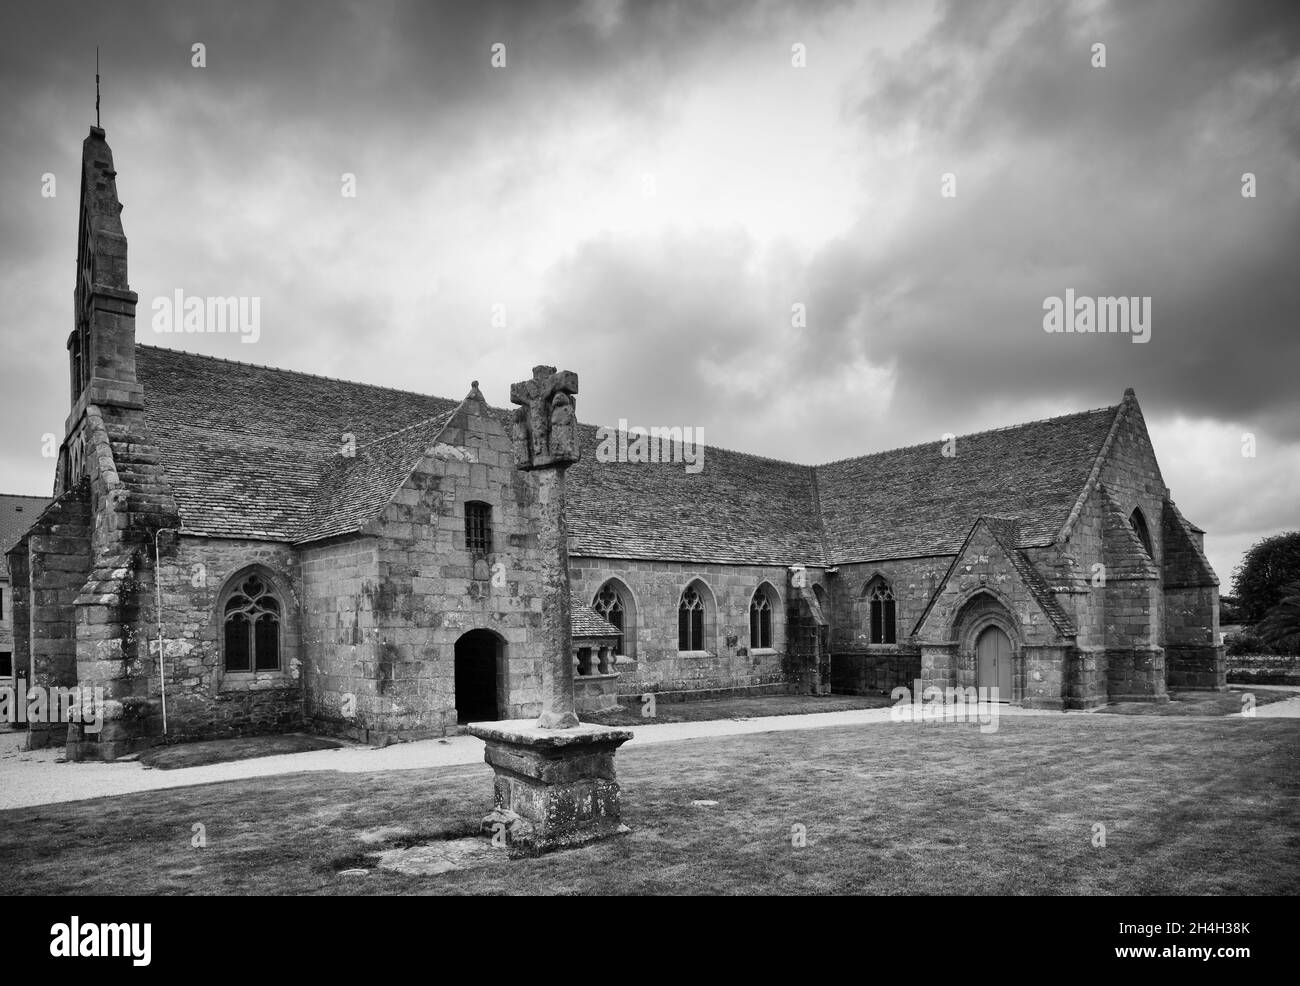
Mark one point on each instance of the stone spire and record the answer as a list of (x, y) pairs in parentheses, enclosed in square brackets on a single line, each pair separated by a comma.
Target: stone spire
[(101, 348)]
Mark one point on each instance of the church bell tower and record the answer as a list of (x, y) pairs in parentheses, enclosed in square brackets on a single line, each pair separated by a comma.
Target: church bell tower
[(101, 348)]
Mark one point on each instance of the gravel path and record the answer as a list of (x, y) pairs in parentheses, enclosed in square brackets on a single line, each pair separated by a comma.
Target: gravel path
[(42, 777)]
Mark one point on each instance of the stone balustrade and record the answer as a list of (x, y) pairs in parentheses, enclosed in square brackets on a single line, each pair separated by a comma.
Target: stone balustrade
[(595, 678)]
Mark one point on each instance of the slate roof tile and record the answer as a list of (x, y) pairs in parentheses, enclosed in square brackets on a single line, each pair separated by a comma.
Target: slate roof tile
[(253, 451), (588, 623), (741, 509), (17, 515), (912, 502), (1006, 532)]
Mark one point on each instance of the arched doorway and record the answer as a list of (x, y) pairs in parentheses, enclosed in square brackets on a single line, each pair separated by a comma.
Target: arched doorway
[(993, 661), (479, 669)]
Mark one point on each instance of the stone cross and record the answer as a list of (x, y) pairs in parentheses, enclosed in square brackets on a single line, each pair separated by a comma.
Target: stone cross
[(546, 442), (545, 431)]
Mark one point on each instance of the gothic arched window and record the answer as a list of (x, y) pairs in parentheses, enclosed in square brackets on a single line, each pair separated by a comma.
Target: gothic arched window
[(760, 620), (608, 604), (883, 613), (251, 628), (1139, 525), (690, 621)]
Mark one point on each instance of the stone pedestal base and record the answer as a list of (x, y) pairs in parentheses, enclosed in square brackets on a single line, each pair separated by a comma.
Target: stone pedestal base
[(555, 788)]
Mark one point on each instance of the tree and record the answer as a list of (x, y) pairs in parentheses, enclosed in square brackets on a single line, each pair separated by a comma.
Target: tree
[(1281, 627), (1269, 565)]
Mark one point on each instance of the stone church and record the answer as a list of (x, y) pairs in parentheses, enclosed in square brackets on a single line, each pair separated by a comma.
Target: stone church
[(235, 549)]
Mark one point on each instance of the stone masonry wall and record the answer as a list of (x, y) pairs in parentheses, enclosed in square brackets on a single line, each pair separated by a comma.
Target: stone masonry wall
[(1194, 657), (985, 589), (727, 660), (47, 579), (857, 665), (1134, 604), (428, 590), (341, 691), (203, 700)]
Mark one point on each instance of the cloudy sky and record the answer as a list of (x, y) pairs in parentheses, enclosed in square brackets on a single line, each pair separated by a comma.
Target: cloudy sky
[(644, 192)]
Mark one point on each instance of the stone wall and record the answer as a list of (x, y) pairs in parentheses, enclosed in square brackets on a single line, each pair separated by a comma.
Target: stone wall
[(857, 665), (395, 654), (341, 686), (1193, 654), (727, 661), (1150, 625), (48, 568), (1263, 669), (17, 627), (7, 616), (985, 589), (1135, 601), (204, 701)]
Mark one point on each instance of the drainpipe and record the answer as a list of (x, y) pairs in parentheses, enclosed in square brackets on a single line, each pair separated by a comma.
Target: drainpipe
[(157, 585)]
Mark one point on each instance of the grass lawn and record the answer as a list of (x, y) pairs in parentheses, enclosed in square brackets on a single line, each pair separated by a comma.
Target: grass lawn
[(1206, 807), (225, 750), (740, 707), (1227, 703)]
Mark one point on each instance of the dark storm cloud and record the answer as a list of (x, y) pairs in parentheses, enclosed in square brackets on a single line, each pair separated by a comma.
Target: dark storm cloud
[(230, 173), (1124, 179), (661, 314), (923, 313)]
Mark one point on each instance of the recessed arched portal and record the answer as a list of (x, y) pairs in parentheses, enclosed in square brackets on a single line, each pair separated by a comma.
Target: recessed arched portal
[(480, 672), (993, 661)]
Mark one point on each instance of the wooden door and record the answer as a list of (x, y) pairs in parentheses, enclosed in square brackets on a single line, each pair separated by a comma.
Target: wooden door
[(993, 660)]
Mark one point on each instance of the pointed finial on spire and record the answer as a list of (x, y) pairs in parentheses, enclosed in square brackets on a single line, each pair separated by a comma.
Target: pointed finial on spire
[(96, 85)]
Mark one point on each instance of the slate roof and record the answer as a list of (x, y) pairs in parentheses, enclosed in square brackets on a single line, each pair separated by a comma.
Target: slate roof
[(1007, 534), (357, 487), (253, 451), (741, 509), (587, 623), (17, 515), (912, 502)]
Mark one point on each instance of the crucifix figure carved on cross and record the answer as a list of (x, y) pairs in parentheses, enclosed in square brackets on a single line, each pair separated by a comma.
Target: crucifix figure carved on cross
[(545, 429)]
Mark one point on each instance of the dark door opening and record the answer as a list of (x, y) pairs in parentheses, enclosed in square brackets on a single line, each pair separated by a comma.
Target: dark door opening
[(478, 658)]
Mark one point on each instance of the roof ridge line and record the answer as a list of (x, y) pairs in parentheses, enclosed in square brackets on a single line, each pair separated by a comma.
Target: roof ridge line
[(299, 536), (971, 434), (296, 373), (714, 448), (410, 427)]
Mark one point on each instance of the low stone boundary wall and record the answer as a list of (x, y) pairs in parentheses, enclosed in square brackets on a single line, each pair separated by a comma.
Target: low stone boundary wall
[(709, 694), (1264, 669)]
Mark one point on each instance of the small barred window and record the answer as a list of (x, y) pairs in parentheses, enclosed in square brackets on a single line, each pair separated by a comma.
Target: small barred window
[(478, 529)]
